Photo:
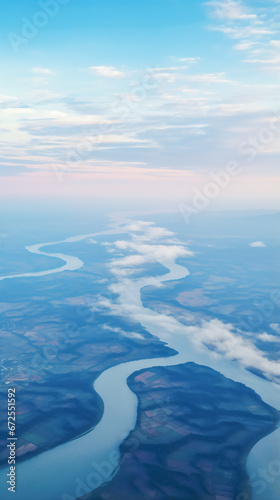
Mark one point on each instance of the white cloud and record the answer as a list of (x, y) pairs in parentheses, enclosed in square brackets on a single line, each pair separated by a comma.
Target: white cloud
[(107, 71), (245, 45), (256, 244), (172, 73), (268, 61), (229, 10), (144, 254), (155, 233), (265, 337), (42, 71), (190, 60), (140, 252), (209, 78), (234, 347), (138, 226), (250, 28), (129, 334), (155, 252), (275, 43), (168, 68), (243, 32)]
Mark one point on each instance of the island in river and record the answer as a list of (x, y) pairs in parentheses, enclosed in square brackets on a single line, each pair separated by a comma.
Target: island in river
[(194, 431)]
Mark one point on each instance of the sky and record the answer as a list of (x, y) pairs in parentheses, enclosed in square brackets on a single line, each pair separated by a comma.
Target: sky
[(169, 103)]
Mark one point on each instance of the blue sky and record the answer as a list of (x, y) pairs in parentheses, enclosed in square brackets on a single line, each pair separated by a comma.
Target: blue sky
[(146, 96)]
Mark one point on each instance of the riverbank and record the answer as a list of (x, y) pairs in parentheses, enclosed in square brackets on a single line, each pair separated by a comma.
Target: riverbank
[(192, 437)]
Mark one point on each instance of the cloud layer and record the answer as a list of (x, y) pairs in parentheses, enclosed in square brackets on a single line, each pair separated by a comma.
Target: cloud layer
[(165, 111), (220, 339)]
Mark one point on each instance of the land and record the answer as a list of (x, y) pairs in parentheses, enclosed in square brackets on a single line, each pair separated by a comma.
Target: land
[(194, 431), (54, 345)]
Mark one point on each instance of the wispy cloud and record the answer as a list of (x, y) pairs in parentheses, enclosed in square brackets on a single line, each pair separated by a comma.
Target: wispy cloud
[(245, 45), (189, 60), (145, 253), (246, 31), (107, 71), (209, 78), (257, 244), (124, 333), (255, 30), (167, 118), (42, 71), (265, 337), (230, 10)]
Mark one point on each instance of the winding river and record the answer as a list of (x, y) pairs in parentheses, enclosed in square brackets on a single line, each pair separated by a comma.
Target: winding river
[(76, 467)]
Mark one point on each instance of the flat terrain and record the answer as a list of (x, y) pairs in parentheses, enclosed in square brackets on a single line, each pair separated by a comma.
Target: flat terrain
[(194, 431)]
